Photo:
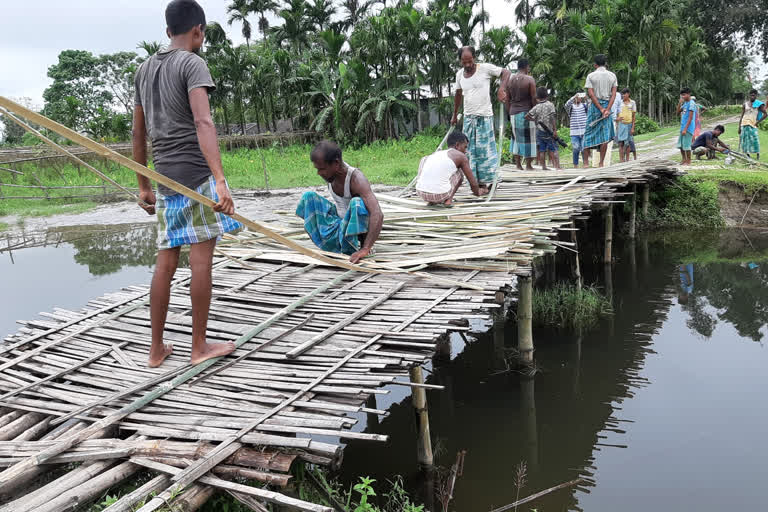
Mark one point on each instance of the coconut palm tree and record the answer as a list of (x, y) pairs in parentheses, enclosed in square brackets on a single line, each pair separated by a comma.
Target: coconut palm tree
[(321, 12), (151, 47)]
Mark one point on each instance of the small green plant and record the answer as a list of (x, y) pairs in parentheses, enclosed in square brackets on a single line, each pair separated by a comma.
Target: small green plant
[(365, 490), (567, 306), (644, 124)]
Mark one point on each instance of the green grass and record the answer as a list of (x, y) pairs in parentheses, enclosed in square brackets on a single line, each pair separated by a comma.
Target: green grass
[(4, 226), (392, 162), (564, 305), (688, 202)]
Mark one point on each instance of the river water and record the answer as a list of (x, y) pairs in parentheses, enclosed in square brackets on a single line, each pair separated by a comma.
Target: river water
[(660, 407)]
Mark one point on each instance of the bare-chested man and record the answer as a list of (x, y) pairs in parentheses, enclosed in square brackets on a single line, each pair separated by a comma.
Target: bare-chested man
[(521, 95)]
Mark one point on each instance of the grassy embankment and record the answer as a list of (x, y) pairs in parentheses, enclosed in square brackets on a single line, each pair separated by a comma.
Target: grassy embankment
[(386, 162)]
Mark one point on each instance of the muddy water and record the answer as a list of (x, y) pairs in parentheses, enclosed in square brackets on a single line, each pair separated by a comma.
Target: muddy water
[(68, 266), (662, 407)]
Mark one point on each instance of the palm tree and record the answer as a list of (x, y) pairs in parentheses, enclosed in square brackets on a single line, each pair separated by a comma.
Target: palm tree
[(466, 22), (355, 11), (498, 46), (262, 8), (296, 25), (239, 11), (151, 47), (321, 12)]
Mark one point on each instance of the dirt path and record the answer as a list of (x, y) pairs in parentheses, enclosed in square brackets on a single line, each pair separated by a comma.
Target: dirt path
[(255, 205), (663, 146)]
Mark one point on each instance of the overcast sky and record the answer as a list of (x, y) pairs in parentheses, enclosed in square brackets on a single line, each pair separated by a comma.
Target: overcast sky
[(32, 37), (34, 33)]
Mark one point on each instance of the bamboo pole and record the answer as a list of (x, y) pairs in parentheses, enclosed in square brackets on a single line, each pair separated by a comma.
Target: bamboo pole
[(525, 319), (419, 400), (607, 256), (632, 212), (576, 262), (646, 198)]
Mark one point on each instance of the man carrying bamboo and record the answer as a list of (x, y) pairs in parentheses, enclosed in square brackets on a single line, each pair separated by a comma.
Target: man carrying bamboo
[(351, 225), (601, 88), (171, 106), (473, 88)]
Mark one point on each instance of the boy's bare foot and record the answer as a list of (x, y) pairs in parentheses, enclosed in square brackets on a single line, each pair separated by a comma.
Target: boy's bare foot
[(448, 202), (156, 360), (210, 351)]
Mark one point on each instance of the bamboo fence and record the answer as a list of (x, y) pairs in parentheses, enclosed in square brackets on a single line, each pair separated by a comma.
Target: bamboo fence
[(316, 339)]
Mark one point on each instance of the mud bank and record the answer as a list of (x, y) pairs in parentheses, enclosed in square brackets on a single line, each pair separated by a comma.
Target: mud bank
[(741, 208)]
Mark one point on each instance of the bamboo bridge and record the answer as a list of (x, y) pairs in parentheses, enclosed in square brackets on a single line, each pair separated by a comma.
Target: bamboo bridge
[(315, 343)]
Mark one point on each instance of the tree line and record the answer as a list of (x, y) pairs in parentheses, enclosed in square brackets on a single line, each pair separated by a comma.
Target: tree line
[(362, 70)]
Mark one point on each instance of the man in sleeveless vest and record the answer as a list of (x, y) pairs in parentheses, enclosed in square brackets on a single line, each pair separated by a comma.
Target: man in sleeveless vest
[(352, 222), (442, 173)]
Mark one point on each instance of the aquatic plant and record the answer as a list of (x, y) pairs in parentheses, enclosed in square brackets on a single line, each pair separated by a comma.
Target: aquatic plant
[(567, 306)]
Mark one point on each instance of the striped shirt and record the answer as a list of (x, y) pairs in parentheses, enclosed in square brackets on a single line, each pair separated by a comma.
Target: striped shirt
[(578, 115)]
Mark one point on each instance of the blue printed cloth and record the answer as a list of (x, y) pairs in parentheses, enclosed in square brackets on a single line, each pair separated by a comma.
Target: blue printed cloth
[(483, 157), (750, 140), (625, 130), (523, 141), (327, 230), (184, 221), (602, 131)]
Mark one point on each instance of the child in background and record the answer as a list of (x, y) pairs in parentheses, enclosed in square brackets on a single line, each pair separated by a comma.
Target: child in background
[(626, 125), (545, 116), (687, 108)]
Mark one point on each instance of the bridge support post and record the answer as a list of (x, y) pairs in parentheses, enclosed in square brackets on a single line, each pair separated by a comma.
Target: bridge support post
[(576, 263), (607, 255), (646, 198), (419, 399), (525, 318), (633, 213)]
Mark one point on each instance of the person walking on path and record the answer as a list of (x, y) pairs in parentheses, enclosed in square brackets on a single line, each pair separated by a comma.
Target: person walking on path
[(752, 114), (687, 107), (626, 124), (442, 173), (601, 88), (473, 88), (521, 94), (171, 106), (576, 107), (545, 117), (350, 224)]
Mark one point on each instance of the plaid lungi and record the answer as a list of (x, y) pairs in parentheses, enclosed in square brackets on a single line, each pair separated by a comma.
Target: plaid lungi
[(602, 131), (329, 231), (183, 221), (483, 157), (750, 140), (523, 141)]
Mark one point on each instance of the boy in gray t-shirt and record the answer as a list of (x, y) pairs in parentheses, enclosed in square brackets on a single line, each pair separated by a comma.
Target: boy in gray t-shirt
[(171, 106)]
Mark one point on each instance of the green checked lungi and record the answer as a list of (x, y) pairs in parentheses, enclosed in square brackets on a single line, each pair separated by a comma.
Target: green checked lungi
[(329, 231), (750, 140), (523, 141), (483, 157), (184, 221), (602, 131)]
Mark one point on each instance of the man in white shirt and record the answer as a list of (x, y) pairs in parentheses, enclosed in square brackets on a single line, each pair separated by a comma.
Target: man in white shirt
[(601, 88), (473, 88)]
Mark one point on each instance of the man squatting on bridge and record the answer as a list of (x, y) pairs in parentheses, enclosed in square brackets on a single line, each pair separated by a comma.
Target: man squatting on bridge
[(171, 106), (442, 173), (473, 88), (354, 220)]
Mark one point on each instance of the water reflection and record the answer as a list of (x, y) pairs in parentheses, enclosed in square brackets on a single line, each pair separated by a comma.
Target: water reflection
[(639, 407), (68, 266)]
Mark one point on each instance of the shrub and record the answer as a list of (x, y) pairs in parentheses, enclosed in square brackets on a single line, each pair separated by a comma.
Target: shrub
[(644, 124), (565, 305), (686, 203)]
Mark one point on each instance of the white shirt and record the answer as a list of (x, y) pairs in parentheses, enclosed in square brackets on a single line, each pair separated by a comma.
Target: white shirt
[(601, 81), (477, 89), (435, 173)]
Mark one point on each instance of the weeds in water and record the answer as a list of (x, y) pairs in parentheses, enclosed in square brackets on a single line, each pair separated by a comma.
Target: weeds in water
[(521, 472), (567, 306)]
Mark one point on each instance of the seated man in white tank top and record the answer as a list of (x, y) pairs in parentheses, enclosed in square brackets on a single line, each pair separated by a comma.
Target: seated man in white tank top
[(442, 173), (352, 222)]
